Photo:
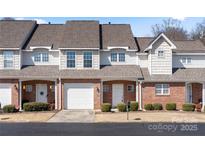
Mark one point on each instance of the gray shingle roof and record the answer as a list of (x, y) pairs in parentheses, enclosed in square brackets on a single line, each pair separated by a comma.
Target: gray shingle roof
[(179, 75), (120, 71), (118, 35), (47, 35), (13, 34), (52, 71), (81, 34), (144, 42)]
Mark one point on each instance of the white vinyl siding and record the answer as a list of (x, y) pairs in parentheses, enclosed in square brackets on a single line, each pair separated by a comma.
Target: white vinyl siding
[(161, 65), (79, 59), (28, 58), (16, 60), (130, 58), (143, 60), (197, 61)]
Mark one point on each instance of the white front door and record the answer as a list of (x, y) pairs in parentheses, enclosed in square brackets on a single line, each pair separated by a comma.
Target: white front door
[(41, 93), (117, 94), (189, 93), (5, 94), (79, 95)]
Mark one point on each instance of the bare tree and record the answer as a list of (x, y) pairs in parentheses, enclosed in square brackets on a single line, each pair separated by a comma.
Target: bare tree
[(199, 31), (171, 28)]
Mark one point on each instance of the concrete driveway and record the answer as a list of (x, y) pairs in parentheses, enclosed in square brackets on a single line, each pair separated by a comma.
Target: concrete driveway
[(73, 116)]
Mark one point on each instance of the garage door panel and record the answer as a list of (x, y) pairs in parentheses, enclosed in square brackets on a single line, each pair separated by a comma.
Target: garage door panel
[(5, 94), (79, 96)]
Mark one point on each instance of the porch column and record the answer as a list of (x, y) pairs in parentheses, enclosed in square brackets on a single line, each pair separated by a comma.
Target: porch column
[(56, 100), (60, 94), (137, 91), (20, 95), (203, 97), (140, 95), (101, 92)]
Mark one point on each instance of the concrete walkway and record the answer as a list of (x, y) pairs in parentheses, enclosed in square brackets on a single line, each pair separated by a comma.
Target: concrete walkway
[(73, 116)]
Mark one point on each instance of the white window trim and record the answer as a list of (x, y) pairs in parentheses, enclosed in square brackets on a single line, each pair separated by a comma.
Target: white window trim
[(162, 93), (41, 57), (67, 60), (12, 60), (133, 86), (186, 60), (92, 60), (117, 52), (163, 56)]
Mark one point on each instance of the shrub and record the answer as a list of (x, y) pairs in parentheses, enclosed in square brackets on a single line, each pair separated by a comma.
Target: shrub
[(157, 106), (35, 106), (148, 107), (133, 106), (106, 107), (121, 107), (9, 109), (171, 106), (188, 107)]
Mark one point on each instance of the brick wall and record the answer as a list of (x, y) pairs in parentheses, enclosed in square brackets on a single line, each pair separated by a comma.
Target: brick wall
[(14, 90), (31, 96), (97, 89), (177, 94), (128, 96)]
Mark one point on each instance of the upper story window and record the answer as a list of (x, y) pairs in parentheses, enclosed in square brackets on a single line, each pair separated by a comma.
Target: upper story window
[(186, 60), (117, 57), (160, 53), (162, 89), (71, 59), (87, 56), (41, 57), (121, 57), (113, 57), (8, 59)]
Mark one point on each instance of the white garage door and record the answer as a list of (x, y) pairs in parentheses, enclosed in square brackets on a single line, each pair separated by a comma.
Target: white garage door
[(79, 95), (5, 94)]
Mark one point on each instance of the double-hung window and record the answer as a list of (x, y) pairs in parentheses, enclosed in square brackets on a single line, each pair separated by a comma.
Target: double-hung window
[(113, 57), (160, 53), (8, 59), (41, 57), (71, 59), (186, 60), (87, 56), (121, 57), (162, 89)]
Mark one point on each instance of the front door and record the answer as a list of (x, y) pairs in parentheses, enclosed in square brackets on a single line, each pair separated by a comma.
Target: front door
[(189, 91), (117, 94), (41, 93)]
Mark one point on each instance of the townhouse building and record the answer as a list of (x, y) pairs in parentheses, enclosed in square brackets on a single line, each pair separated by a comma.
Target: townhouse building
[(82, 64)]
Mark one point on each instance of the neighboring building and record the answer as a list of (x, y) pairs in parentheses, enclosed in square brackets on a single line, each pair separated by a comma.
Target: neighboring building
[(81, 64)]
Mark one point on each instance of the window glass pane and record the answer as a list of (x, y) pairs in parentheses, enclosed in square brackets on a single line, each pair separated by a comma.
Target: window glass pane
[(160, 53), (130, 88), (106, 88), (71, 59), (114, 57), (183, 60), (28, 88), (8, 59), (87, 59), (188, 60), (37, 57), (122, 57), (158, 88), (45, 57)]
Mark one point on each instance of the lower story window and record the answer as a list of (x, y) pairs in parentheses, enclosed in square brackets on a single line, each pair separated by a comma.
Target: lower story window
[(106, 88), (28, 88), (162, 89), (130, 88)]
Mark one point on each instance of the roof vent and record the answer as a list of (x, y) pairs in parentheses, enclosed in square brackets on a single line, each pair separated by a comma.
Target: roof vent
[(109, 23), (49, 22)]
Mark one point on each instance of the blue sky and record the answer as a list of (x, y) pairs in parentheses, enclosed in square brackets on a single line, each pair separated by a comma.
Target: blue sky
[(141, 26)]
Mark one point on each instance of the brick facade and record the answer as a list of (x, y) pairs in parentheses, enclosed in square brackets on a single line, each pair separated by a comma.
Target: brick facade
[(177, 94), (196, 93), (97, 89), (14, 90), (128, 96), (31, 96)]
